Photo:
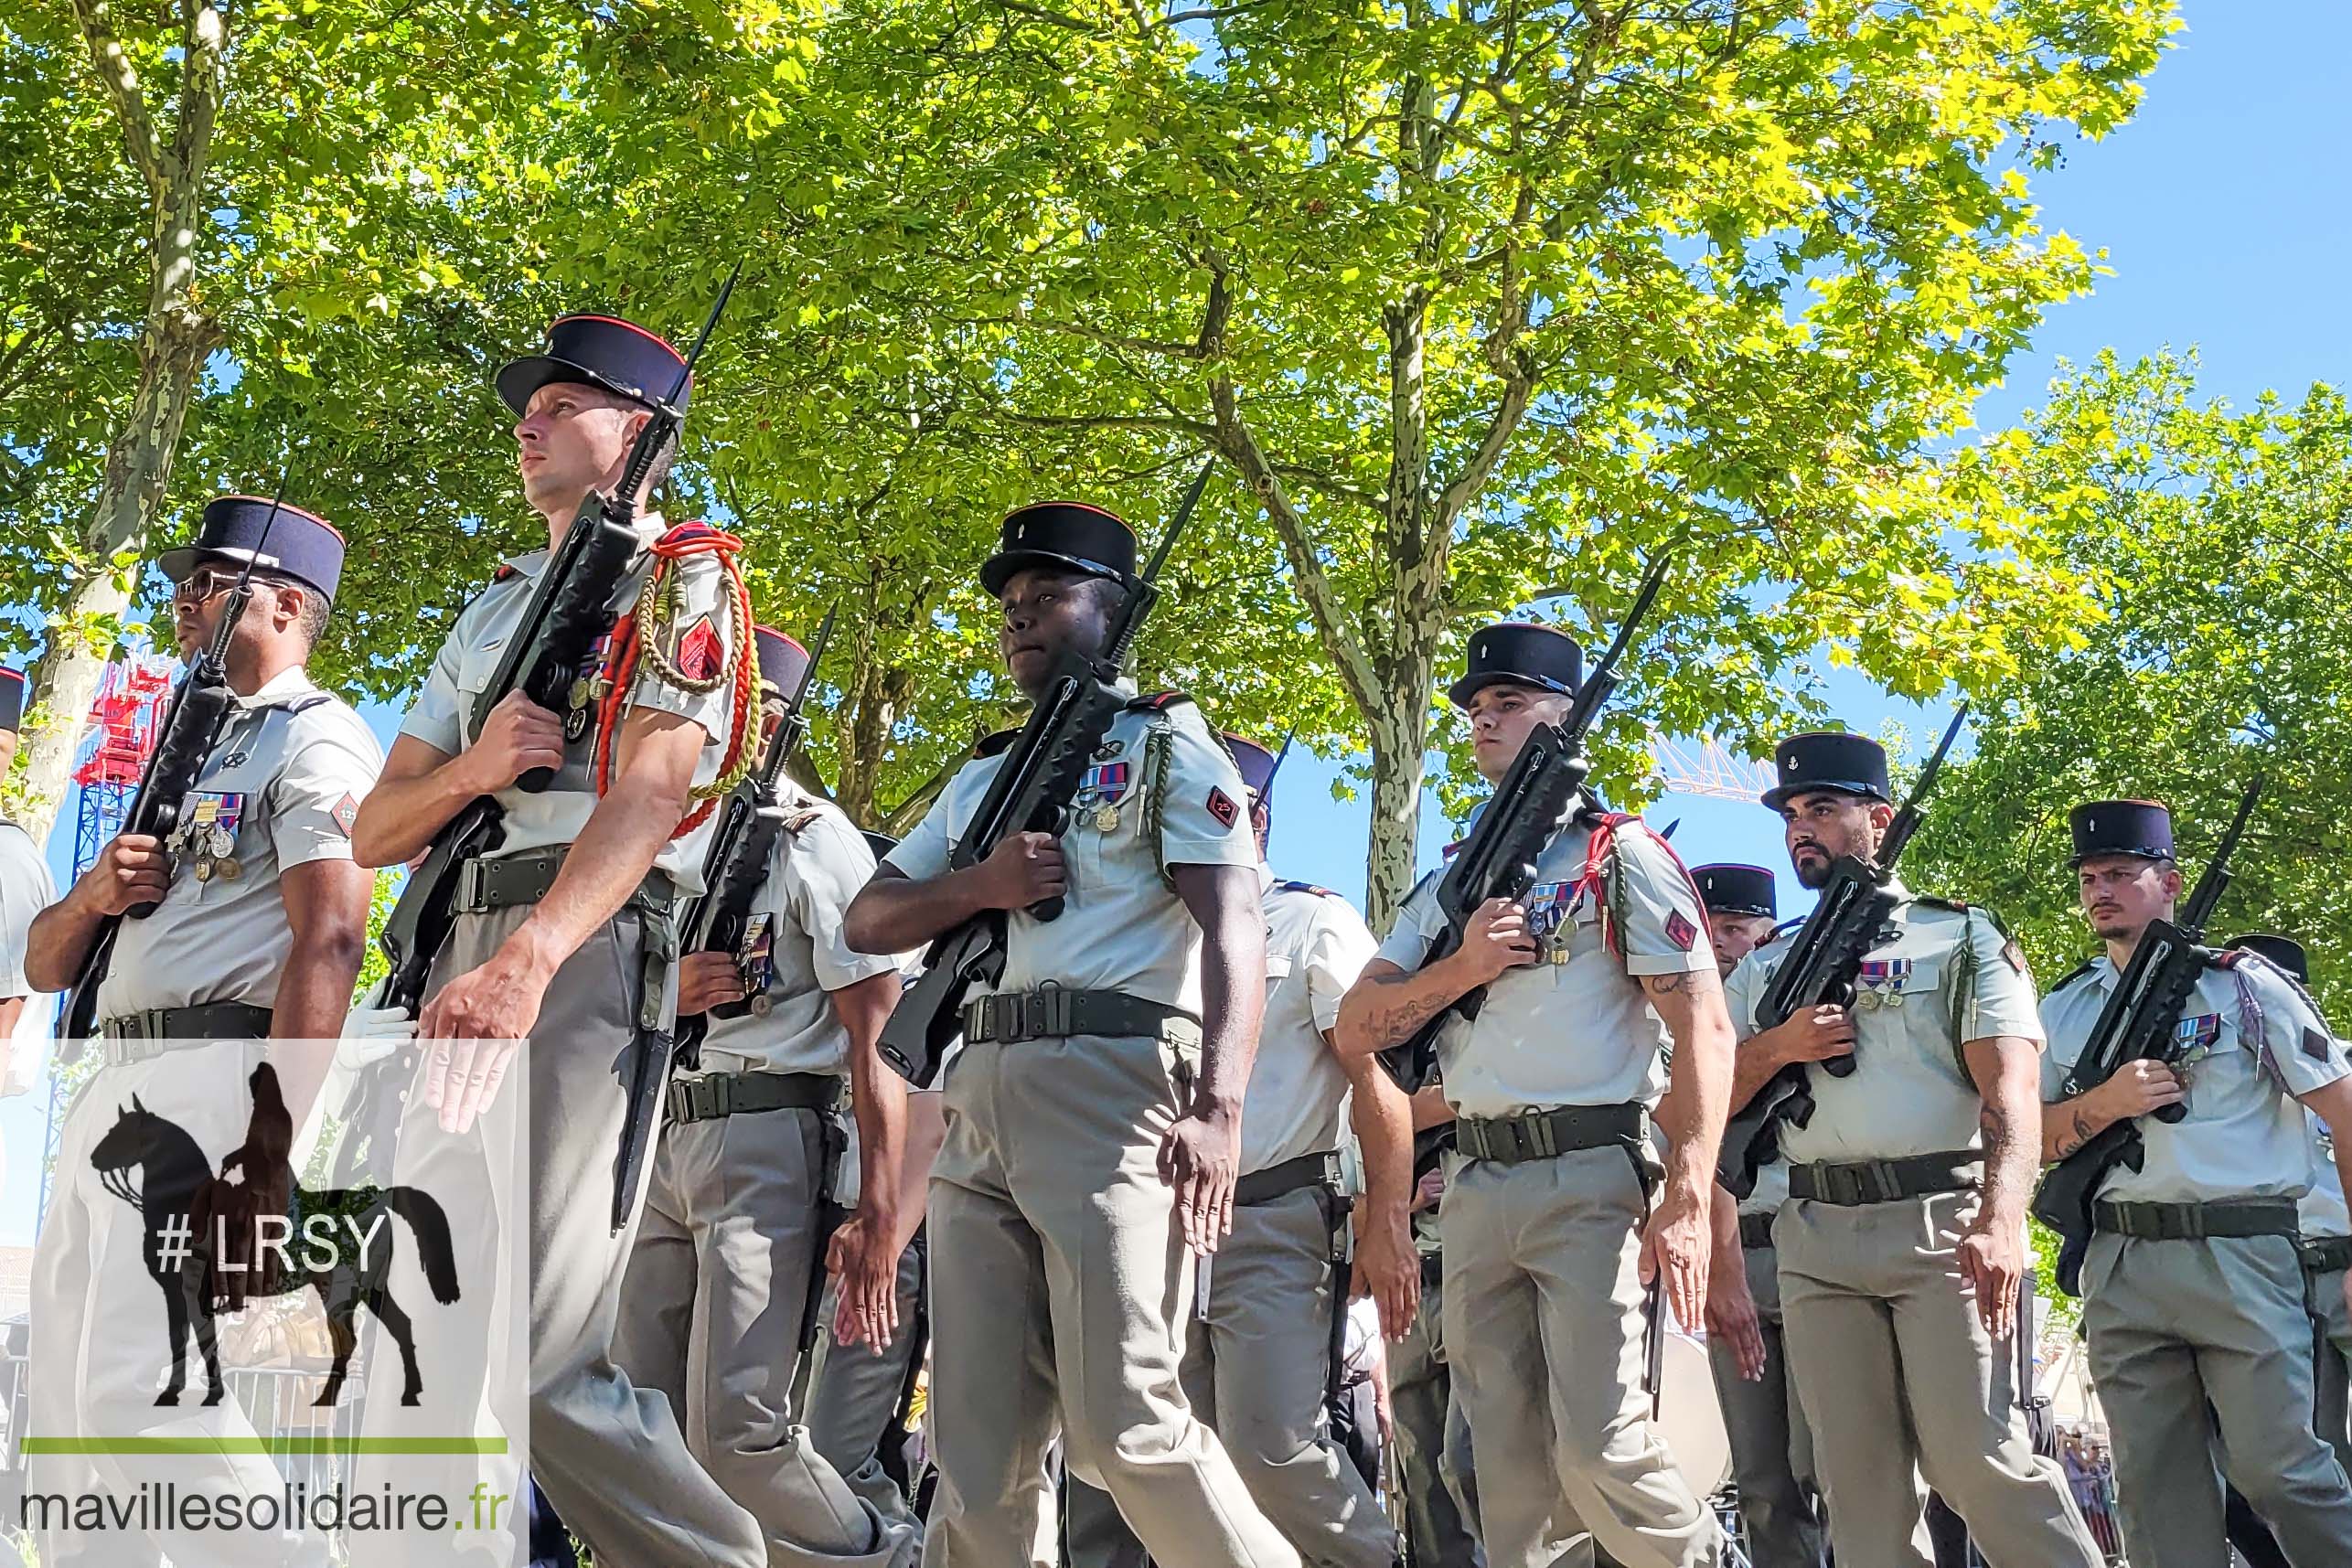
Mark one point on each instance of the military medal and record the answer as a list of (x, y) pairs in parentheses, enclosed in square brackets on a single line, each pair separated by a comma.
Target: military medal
[(1880, 983), (756, 964), (1100, 789), (222, 843), (227, 868), (761, 1005), (204, 871), (1106, 819)]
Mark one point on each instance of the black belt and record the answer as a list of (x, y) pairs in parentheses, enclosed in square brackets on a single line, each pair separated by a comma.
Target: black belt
[(506, 882), (1546, 1134), (2325, 1255), (1052, 1012), (1852, 1184), (212, 1020), (1756, 1229), (2196, 1222), (717, 1094), (1281, 1181)]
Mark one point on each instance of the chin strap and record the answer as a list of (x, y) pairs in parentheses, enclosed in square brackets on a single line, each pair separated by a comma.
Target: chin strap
[(638, 648)]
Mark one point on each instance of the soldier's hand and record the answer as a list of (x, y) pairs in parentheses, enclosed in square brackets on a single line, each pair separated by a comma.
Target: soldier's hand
[(131, 869), (1022, 869), (1991, 1261), (2138, 1088), (1199, 1157), (473, 1029), (1674, 1246), (519, 735), (706, 979), (1814, 1035), (1496, 939), (863, 1256), (1430, 1191), (1731, 1318), (1387, 1267)]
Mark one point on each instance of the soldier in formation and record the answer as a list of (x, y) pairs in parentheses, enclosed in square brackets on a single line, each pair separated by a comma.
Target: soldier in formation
[(1121, 1229)]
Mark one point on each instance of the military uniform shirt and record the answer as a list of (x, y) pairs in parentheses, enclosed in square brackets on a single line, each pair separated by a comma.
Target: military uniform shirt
[(795, 945), (25, 890), (1122, 929), (1575, 1027), (2254, 1042), (279, 791), (443, 717), (1297, 1101), (2321, 1211), (1940, 976)]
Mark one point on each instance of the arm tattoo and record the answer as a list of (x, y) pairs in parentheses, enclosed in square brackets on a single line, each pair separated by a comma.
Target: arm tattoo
[(1698, 981), (2076, 1138), (1395, 1022)]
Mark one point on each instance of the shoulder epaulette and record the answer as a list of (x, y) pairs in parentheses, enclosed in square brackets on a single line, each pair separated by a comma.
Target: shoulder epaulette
[(2229, 958), (1954, 905), (1321, 892), (797, 820), (2076, 973), (693, 530), (995, 745), (304, 704), (1781, 931), (1156, 701), (507, 572)]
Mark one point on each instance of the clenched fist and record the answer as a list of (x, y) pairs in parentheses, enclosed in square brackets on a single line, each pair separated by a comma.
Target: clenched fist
[(1024, 868), (519, 735)]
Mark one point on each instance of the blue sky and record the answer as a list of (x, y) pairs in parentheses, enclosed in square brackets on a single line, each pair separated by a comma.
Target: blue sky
[(2226, 212)]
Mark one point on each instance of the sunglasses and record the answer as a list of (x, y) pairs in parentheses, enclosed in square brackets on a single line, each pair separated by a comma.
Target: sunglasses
[(205, 582)]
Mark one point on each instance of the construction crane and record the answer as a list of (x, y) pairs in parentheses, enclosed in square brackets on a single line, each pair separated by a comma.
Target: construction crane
[(124, 718)]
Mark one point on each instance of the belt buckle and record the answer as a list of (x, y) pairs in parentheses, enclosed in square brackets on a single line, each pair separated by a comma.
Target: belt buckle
[(469, 885)]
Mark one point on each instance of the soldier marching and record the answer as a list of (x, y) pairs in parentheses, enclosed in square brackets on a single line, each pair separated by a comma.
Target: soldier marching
[(1155, 1140)]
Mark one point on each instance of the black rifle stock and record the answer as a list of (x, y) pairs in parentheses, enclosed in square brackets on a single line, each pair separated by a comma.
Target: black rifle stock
[(2135, 1024), (199, 712), (1824, 958), (1529, 808), (1031, 792)]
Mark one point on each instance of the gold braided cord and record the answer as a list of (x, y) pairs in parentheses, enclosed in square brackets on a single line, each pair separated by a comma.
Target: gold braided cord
[(656, 612)]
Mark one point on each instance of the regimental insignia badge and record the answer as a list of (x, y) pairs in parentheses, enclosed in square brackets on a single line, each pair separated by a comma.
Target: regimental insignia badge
[(699, 651)]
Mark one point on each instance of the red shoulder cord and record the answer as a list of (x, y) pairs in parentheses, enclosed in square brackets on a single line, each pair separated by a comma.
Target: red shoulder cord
[(687, 539)]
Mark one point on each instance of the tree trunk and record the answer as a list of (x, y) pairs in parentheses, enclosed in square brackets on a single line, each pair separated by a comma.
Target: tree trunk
[(172, 350), (174, 340)]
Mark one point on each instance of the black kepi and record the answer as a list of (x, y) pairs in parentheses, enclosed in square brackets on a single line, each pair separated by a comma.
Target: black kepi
[(1519, 652), (1728, 889), (1829, 760), (300, 544), (604, 351), (1071, 536), (2141, 827)]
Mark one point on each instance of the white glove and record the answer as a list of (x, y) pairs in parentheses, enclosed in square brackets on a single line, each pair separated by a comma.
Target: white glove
[(371, 1032)]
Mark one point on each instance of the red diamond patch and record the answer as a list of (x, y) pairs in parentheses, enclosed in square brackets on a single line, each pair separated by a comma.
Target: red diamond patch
[(699, 651), (346, 811), (1222, 808), (1680, 930)]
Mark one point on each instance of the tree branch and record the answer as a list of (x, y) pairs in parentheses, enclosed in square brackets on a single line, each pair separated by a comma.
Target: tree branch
[(111, 65), (1240, 447), (203, 42)]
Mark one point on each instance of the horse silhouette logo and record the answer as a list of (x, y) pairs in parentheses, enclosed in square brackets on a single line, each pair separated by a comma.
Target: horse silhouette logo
[(212, 1241)]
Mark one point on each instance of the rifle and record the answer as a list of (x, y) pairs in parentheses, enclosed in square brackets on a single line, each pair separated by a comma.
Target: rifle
[(1824, 957), (735, 867), (1528, 809), (548, 659), (1031, 793), (199, 712), (2137, 1024)]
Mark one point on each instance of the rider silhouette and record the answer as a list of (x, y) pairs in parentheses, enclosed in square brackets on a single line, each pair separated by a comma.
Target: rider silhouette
[(256, 1178)]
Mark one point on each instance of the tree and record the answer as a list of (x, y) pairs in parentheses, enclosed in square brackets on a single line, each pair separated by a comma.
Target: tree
[(213, 196), (1488, 302), (2219, 545)]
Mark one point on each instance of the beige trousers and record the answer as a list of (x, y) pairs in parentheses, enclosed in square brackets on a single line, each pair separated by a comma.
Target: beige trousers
[(711, 1316), (2177, 1327), (1062, 1284), (1896, 1374), (1543, 1330)]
